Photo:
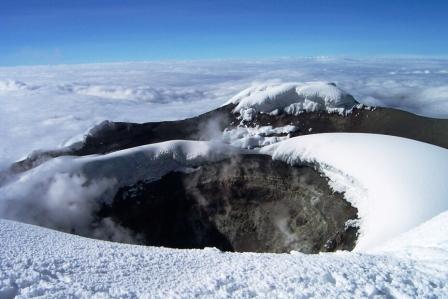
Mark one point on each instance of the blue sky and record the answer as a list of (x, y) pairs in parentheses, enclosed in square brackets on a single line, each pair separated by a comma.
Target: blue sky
[(88, 31)]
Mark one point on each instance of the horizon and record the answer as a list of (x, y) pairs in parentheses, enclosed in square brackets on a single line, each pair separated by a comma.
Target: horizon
[(370, 58), (222, 149), (87, 32)]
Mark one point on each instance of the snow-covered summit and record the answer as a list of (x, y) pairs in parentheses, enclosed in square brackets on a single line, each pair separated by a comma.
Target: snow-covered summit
[(292, 98)]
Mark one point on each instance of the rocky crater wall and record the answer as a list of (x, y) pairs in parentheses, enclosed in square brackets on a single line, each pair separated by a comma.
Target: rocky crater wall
[(247, 203)]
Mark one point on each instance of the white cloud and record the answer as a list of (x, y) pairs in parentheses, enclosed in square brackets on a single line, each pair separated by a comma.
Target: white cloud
[(138, 94), (65, 193), (14, 85), (72, 98), (63, 201)]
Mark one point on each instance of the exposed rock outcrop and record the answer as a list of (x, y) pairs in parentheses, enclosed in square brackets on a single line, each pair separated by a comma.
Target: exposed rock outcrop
[(113, 136), (247, 203)]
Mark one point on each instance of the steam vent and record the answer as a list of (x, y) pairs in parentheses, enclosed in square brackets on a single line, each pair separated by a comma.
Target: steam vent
[(247, 203), (211, 180)]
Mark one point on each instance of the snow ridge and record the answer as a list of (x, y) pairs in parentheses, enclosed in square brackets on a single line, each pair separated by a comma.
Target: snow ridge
[(39, 196), (395, 183), (292, 98)]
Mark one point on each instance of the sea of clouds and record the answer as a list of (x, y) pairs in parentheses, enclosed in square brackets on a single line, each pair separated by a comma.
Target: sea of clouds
[(44, 107)]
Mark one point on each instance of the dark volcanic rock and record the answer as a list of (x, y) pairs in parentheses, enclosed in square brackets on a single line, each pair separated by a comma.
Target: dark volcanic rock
[(249, 203), (386, 121), (113, 136)]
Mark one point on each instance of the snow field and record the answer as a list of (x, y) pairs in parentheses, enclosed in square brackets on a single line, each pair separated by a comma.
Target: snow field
[(55, 264)]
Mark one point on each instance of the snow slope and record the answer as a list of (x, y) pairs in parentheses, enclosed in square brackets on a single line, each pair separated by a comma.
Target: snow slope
[(399, 184), (37, 262), (427, 241), (397, 180), (395, 183), (65, 192)]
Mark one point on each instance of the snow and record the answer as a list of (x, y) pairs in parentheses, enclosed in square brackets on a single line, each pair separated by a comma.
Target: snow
[(253, 137), (292, 98), (427, 241), (49, 107), (397, 255), (398, 185), (35, 261), (382, 176), (64, 193), (45, 107), (395, 183)]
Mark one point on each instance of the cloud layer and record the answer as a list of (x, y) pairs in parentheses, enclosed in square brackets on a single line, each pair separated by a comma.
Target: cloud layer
[(44, 107)]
